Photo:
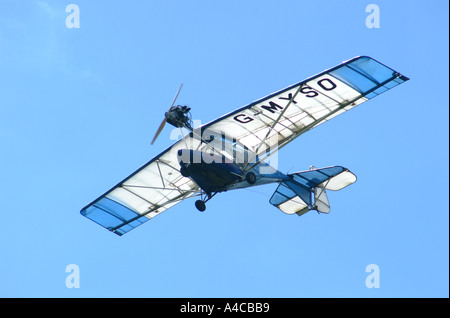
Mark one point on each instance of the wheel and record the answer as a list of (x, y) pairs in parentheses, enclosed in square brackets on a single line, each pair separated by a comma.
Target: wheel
[(250, 177), (200, 205), (184, 172)]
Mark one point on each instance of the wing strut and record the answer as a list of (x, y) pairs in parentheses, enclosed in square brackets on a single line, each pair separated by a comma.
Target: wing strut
[(272, 127)]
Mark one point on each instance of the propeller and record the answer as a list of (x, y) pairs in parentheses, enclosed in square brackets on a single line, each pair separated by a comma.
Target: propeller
[(165, 118)]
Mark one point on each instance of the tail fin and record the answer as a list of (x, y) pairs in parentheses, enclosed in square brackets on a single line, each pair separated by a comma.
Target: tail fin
[(306, 190)]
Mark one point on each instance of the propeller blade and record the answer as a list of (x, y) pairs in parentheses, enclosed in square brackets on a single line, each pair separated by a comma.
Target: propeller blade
[(176, 96), (159, 129), (165, 118)]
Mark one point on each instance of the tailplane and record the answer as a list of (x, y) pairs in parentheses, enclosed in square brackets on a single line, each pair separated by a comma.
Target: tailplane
[(306, 190)]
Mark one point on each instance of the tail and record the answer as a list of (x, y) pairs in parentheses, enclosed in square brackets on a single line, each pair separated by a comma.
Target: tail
[(306, 190)]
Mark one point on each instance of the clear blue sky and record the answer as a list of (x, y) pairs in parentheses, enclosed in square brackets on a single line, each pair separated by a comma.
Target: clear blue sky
[(79, 107)]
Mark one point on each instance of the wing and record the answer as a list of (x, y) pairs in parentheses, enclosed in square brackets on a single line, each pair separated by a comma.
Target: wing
[(270, 123), (147, 192)]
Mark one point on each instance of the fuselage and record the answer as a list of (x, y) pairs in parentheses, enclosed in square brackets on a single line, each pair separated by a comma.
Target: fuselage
[(217, 173)]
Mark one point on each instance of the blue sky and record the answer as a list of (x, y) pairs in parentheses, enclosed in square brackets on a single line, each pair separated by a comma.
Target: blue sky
[(80, 106)]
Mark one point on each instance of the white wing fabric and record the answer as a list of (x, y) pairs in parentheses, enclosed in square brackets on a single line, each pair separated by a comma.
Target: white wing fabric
[(273, 121), (150, 190)]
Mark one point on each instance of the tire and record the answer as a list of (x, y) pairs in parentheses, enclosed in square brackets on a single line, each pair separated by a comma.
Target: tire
[(250, 177), (200, 205)]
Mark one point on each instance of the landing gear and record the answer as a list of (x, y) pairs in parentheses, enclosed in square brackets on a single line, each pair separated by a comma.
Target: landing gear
[(200, 205), (250, 177), (205, 197)]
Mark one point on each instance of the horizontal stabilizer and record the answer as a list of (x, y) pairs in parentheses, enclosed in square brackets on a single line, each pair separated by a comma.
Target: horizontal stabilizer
[(332, 178), (291, 198), (307, 190)]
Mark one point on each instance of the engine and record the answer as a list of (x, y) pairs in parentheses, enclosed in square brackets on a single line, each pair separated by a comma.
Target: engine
[(179, 116)]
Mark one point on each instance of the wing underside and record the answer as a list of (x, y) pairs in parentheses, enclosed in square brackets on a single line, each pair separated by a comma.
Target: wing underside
[(152, 189), (270, 123)]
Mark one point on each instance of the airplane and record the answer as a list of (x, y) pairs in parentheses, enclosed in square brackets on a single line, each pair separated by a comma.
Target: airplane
[(234, 150)]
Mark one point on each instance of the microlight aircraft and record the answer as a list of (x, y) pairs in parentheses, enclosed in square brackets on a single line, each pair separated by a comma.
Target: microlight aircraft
[(232, 152)]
